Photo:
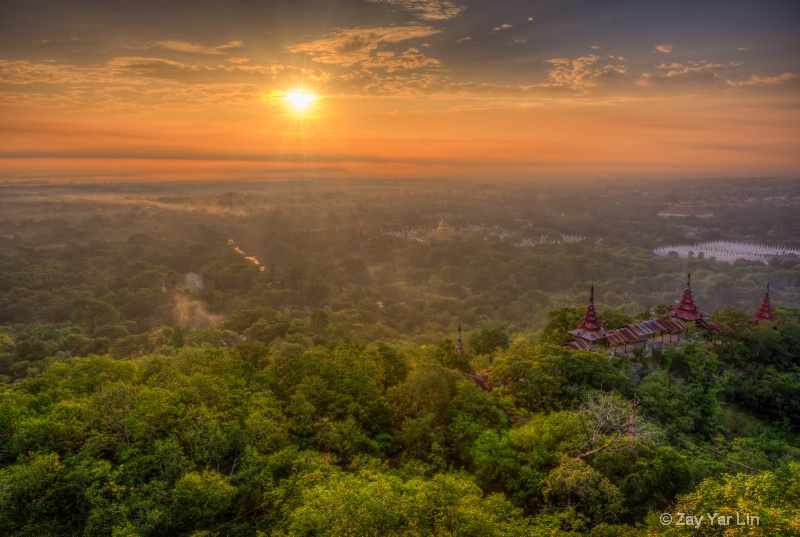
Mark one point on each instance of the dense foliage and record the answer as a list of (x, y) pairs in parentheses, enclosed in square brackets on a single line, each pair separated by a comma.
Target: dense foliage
[(324, 395)]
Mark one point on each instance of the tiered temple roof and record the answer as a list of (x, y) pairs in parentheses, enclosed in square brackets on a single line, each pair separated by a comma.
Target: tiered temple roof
[(686, 310), (590, 328), (764, 313), (444, 231)]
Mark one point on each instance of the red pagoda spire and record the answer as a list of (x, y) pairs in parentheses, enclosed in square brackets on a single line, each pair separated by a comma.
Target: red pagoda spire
[(686, 309), (590, 328), (764, 313)]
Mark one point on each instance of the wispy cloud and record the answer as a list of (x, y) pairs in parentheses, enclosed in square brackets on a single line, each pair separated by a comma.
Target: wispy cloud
[(391, 62), (184, 46), (504, 26), (687, 80), (664, 49), (139, 82), (351, 46), (137, 68), (427, 10), (27, 72), (757, 80), (585, 72), (689, 76), (464, 39), (677, 68)]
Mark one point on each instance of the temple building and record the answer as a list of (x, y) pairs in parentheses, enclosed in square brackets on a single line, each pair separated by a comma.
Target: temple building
[(687, 208), (686, 310), (590, 331), (653, 333), (764, 313), (444, 232)]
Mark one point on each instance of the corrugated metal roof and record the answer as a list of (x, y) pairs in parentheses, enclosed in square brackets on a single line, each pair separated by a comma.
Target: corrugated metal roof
[(645, 328), (577, 345), (673, 326), (711, 326), (622, 335)]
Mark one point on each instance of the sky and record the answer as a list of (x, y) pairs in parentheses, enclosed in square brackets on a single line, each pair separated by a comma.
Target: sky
[(104, 90)]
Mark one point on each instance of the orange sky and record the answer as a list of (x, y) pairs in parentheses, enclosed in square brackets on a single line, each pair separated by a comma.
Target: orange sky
[(405, 88)]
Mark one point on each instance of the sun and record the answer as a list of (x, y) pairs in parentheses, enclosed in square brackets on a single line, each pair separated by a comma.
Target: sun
[(300, 100)]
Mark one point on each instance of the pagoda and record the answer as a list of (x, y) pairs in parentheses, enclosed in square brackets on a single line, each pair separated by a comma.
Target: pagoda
[(444, 232), (459, 342), (590, 329), (764, 313), (686, 310)]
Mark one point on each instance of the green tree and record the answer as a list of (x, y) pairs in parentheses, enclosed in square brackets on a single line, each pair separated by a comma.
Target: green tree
[(198, 499), (575, 484), (488, 340)]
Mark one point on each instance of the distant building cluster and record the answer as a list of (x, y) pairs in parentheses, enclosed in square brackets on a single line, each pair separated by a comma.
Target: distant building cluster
[(544, 239), (445, 231), (728, 251), (591, 335), (683, 209)]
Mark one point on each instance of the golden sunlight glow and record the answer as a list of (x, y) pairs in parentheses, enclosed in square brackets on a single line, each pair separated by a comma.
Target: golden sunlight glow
[(300, 100)]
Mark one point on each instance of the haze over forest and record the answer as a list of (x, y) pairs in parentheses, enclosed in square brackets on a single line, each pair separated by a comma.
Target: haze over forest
[(399, 267), (283, 358)]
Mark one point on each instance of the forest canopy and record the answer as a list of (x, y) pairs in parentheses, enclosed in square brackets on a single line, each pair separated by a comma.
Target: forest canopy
[(285, 360)]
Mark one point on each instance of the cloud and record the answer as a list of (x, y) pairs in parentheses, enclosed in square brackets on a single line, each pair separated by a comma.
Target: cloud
[(136, 69), (531, 19), (595, 47), (584, 72), (396, 84), (664, 49), (693, 75), (690, 80), (391, 62), (464, 39), (26, 72), (351, 46), (427, 10), (185, 46), (136, 82), (677, 68), (758, 80), (165, 69), (502, 27), (699, 75), (742, 49)]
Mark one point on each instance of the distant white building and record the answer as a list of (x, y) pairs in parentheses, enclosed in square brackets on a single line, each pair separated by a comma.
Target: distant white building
[(193, 282), (728, 251)]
